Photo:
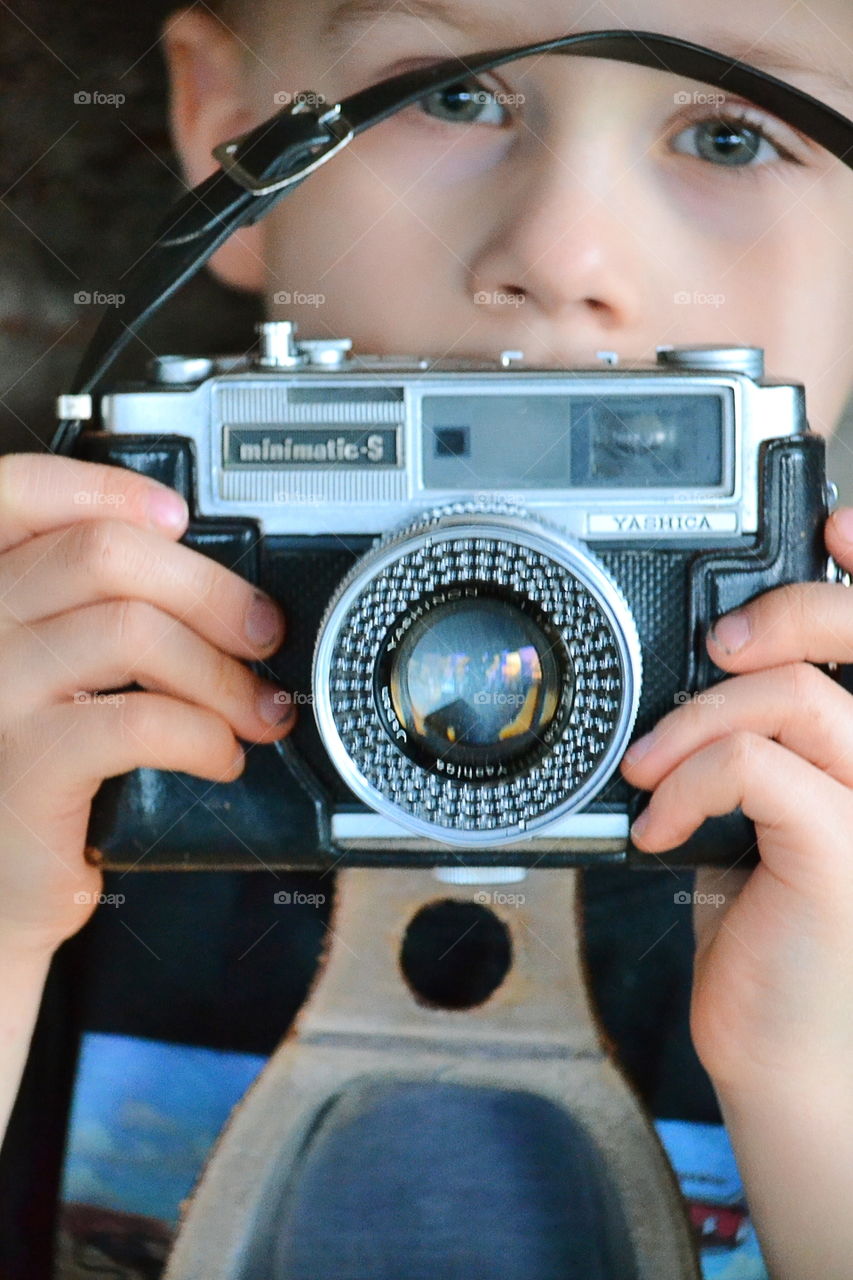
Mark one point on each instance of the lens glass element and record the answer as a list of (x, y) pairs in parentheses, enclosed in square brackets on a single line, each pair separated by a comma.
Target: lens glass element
[(479, 680)]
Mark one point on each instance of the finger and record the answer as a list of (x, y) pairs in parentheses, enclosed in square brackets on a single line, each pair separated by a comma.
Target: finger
[(43, 491), (105, 646), (798, 705), (110, 559), (838, 535), (801, 816), (76, 746), (803, 621)]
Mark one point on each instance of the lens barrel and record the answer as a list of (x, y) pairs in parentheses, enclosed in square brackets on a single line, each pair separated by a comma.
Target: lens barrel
[(477, 675)]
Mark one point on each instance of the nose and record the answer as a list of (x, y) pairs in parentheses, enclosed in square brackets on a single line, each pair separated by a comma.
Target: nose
[(569, 247)]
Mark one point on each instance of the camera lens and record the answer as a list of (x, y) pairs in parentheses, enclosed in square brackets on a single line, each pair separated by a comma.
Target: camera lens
[(478, 680), (476, 676)]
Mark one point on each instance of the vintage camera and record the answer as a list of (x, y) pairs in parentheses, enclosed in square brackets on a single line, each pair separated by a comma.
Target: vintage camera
[(495, 578)]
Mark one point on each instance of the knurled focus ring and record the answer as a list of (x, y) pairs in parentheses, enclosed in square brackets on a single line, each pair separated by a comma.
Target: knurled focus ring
[(434, 794)]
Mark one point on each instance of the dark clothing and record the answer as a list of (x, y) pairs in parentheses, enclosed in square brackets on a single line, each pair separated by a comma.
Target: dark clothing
[(207, 959)]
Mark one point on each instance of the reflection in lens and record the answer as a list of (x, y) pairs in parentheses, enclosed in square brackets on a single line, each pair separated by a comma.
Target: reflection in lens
[(478, 679)]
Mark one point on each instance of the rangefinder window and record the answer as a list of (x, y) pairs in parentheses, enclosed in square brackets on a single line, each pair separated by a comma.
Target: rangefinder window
[(648, 442), (552, 442)]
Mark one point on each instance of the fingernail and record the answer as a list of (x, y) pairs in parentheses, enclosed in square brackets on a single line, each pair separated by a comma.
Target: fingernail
[(167, 509), (844, 522), (732, 631), (263, 621), (639, 824), (275, 705), (641, 747)]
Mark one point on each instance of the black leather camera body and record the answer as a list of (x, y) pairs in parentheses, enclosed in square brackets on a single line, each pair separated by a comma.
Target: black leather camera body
[(495, 578)]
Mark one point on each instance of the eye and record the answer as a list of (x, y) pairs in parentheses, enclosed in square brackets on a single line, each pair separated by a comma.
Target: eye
[(467, 102), (731, 142)]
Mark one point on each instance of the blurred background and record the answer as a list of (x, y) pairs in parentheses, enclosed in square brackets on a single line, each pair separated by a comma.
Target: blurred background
[(83, 184)]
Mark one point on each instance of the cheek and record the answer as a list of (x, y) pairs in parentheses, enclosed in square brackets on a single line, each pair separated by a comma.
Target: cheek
[(337, 217), (797, 285), (786, 295), (776, 253), (734, 211), (384, 232), (383, 279)]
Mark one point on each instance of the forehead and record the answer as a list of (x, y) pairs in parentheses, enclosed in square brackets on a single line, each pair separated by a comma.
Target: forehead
[(813, 40)]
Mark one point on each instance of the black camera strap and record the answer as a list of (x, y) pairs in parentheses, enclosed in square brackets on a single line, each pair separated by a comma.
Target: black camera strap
[(264, 165)]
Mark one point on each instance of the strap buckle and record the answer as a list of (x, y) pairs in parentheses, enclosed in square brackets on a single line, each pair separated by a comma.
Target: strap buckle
[(340, 131)]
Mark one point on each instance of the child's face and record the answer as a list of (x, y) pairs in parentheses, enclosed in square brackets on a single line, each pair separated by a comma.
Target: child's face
[(605, 212)]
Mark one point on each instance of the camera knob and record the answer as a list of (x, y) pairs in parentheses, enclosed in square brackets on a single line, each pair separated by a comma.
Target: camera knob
[(712, 359), (327, 352), (278, 348), (173, 370)]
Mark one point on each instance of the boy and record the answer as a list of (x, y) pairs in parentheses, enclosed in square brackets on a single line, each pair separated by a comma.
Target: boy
[(572, 206)]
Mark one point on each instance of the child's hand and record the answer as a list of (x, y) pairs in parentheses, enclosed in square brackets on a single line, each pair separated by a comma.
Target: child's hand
[(96, 593), (773, 975)]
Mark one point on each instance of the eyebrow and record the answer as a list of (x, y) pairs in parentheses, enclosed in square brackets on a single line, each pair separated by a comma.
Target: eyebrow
[(782, 55), (772, 56), (349, 15)]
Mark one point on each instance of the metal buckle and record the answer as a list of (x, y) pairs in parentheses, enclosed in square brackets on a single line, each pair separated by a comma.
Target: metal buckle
[(339, 127)]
